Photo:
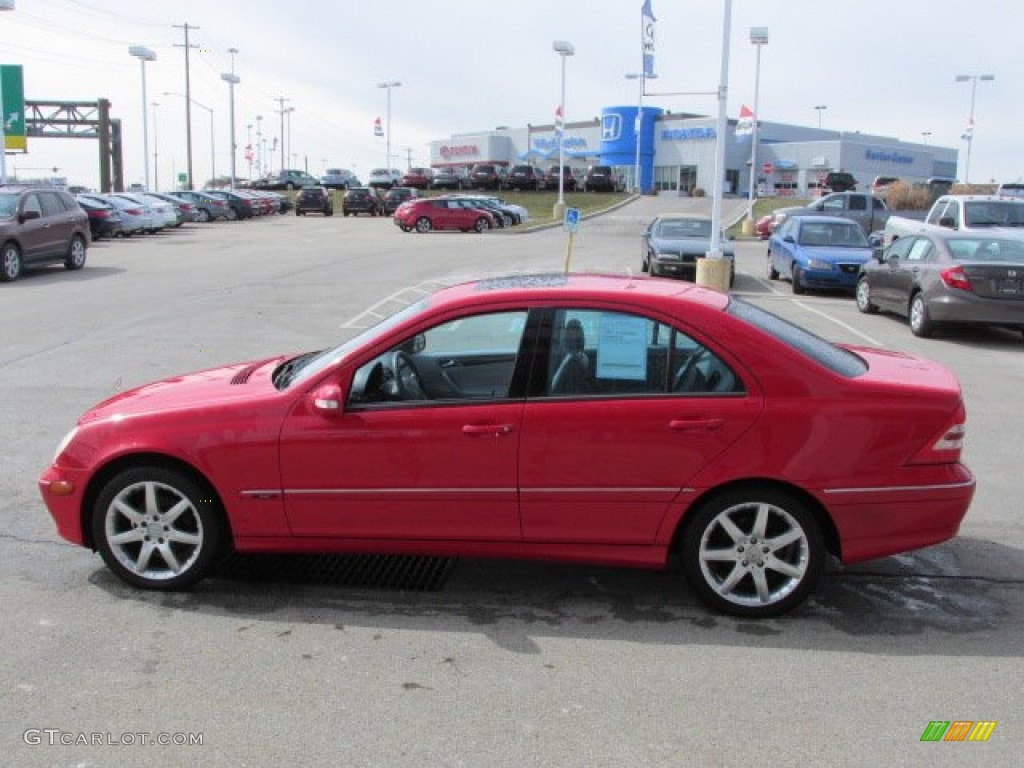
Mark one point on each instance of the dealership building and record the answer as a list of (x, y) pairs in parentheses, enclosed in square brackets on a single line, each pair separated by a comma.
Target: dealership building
[(675, 153)]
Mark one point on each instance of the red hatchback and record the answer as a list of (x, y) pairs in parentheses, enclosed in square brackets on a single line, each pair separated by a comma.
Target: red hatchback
[(603, 419), (426, 214)]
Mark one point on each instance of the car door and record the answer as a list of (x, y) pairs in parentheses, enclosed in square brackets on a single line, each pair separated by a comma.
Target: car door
[(884, 278), (426, 445), (35, 232), (623, 419), (907, 275)]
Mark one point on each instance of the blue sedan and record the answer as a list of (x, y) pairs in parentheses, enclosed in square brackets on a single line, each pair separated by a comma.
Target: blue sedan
[(818, 253)]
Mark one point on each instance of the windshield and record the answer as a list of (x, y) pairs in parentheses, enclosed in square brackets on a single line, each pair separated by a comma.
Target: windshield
[(832, 234), (309, 366), (679, 228), (994, 213), (8, 205)]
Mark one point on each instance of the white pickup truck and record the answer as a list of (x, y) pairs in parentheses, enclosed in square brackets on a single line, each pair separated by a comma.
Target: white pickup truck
[(967, 213)]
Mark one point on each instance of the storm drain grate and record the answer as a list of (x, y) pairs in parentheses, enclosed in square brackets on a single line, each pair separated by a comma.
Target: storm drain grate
[(407, 572)]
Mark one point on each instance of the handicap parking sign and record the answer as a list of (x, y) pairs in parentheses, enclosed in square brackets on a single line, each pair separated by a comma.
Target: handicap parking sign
[(572, 219)]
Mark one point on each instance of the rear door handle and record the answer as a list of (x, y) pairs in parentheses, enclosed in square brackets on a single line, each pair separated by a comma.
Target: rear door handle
[(696, 425), (473, 430)]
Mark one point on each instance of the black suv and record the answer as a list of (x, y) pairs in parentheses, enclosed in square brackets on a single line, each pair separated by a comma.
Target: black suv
[(316, 199), (568, 178), (525, 177), (362, 200), (395, 196), (487, 176), (600, 178), (838, 181), (40, 226)]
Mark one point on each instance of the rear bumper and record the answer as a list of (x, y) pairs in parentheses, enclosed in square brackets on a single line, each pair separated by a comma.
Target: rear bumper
[(964, 307)]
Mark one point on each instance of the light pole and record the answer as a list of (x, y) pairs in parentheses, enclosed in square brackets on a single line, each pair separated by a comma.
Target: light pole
[(144, 54), (638, 124), (232, 80), (821, 108), (388, 86), (926, 135), (156, 156), (213, 153), (7, 5), (968, 135), (759, 37), (564, 49), (259, 146), (287, 138)]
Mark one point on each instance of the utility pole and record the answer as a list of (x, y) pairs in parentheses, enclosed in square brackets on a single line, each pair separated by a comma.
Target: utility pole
[(188, 102), (281, 100)]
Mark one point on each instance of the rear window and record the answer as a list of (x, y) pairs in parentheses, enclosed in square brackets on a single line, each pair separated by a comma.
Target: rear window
[(836, 359)]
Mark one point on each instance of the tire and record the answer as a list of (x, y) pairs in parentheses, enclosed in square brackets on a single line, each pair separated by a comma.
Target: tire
[(11, 263), (204, 214), (773, 273), (157, 528), (423, 225), (232, 214), (863, 296), (481, 225), (753, 552), (645, 263), (798, 287), (76, 253), (920, 321)]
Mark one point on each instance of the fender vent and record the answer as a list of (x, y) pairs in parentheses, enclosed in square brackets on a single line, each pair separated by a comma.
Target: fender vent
[(242, 377)]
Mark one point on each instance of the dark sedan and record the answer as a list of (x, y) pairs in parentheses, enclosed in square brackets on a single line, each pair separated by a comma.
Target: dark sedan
[(104, 218), (672, 245), (947, 277)]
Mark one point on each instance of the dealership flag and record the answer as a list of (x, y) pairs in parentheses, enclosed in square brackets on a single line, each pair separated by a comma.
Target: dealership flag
[(559, 123), (968, 133), (745, 125), (378, 129), (647, 32)]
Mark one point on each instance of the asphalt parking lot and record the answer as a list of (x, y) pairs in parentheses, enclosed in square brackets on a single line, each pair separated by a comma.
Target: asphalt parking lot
[(476, 663)]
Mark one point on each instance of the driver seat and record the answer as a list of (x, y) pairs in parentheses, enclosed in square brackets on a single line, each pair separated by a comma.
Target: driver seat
[(573, 375)]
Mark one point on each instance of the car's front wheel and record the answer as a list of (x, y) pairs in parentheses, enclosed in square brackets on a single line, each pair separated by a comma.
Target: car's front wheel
[(754, 552), (797, 279), (481, 225), (204, 214), (423, 224), (157, 528), (773, 273), (10, 268), (75, 258), (863, 295)]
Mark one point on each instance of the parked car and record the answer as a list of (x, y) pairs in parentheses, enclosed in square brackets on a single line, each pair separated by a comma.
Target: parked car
[(448, 178), (104, 218), (672, 245), (525, 177), (186, 210), (286, 179), (208, 207), (569, 180), (601, 178), (239, 206), (362, 200), (417, 178), (40, 225), (395, 196), (384, 178), (487, 176), (603, 419), (505, 215), (158, 215), (839, 181), (430, 213), (764, 226), (940, 277), (818, 253), (315, 199), (881, 185), (339, 178), (135, 219)]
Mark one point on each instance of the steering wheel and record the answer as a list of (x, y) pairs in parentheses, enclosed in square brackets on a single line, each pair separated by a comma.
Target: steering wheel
[(407, 379), (690, 375)]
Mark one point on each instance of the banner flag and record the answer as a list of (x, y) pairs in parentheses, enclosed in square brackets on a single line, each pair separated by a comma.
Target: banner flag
[(647, 26)]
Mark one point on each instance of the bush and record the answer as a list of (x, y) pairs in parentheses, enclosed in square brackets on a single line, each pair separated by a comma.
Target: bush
[(901, 196), (698, 192)]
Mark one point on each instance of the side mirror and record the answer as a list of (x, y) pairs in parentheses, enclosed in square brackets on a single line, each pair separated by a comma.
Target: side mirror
[(326, 400), (878, 255), (947, 221), (875, 241), (789, 239)]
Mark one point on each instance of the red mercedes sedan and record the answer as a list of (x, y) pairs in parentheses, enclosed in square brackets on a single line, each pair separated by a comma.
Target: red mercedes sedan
[(617, 420)]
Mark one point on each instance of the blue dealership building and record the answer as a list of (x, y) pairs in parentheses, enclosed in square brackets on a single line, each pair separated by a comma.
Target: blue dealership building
[(675, 152)]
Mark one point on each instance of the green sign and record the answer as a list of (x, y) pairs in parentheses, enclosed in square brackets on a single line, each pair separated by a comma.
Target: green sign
[(182, 178), (12, 97)]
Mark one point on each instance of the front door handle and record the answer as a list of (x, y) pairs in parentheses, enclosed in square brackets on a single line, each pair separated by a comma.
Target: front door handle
[(696, 425), (473, 430)]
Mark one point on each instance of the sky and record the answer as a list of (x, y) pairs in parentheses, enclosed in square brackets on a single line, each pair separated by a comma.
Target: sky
[(880, 67)]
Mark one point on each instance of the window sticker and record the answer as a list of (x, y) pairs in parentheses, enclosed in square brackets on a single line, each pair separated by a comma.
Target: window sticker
[(622, 347)]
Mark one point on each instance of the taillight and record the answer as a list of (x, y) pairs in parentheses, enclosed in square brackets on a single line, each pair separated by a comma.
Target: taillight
[(945, 446), (133, 211), (955, 277)]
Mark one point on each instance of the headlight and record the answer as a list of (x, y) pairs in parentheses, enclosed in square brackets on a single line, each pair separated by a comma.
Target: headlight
[(64, 443), (663, 256), (818, 264)]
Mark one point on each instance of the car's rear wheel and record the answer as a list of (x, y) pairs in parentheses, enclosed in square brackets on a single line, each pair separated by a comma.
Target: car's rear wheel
[(921, 323), (76, 253), (481, 225), (11, 266), (863, 294), (797, 280), (753, 552), (157, 528), (423, 224)]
